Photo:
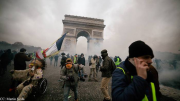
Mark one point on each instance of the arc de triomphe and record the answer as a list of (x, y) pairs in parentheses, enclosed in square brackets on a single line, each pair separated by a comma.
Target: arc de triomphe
[(77, 26)]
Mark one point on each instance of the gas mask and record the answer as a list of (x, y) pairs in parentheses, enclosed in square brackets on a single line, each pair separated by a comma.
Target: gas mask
[(68, 65)]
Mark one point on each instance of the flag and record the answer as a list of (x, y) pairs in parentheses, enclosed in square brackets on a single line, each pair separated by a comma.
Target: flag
[(39, 54), (54, 49)]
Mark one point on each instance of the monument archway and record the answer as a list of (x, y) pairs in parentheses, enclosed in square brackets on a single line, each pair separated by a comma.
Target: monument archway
[(77, 26), (86, 35)]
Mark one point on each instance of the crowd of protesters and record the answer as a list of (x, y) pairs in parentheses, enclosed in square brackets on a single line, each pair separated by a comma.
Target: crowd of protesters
[(134, 79)]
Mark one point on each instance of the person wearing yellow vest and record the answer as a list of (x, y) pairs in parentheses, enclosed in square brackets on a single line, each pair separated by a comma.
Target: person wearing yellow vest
[(132, 80), (117, 60), (75, 60)]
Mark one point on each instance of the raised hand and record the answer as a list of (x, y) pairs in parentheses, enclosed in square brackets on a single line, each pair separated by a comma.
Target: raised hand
[(141, 67)]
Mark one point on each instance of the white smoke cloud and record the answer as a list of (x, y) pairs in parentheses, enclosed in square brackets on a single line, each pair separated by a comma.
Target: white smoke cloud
[(39, 23)]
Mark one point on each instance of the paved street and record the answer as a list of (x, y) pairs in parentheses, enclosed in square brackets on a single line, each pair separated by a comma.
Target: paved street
[(87, 91)]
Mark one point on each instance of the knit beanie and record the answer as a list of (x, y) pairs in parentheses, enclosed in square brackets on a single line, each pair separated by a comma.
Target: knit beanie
[(139, 48)]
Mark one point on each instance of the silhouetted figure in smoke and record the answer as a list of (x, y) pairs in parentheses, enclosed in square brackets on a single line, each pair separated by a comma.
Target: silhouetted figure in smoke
[(51, 58), (68, 55), (81, 61), (72, 57), (78, 56), (20, 60), (100, 60), (158, 65), (4, 61), (14, 53), (97, 65), (173, 63), (63, 60), (89, 59), (10, 56), (56, 60)]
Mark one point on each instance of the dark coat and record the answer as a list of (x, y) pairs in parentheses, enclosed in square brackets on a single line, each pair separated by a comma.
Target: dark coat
[(20, 61), (81, 60), (4, 59), (107, 67), (125, 89)]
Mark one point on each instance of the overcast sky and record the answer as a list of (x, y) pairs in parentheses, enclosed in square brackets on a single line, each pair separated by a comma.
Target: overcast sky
[(39, 22)]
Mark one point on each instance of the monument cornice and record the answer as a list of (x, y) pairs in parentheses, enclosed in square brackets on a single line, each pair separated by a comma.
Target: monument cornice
[(83, 23), (81, 17)]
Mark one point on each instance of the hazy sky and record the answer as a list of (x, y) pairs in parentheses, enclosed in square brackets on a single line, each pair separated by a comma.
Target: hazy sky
[(39, 22)]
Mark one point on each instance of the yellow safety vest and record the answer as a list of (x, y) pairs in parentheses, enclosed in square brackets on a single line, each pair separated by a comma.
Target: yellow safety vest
[(152, 88), (75, 61)]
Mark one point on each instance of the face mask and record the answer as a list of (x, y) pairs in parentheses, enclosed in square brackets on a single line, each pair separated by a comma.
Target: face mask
[(68, 66)]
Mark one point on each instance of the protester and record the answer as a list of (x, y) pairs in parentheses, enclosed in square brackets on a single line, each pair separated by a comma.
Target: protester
[(70, 76), (51, 58), (100, 60), (56, 60), (97, 65), (107, 68), (4, 61), (63, 60), (68, 55), (72, 57), (20, 60), (133, 79), (158, 63), (117, 60), (29, 77), (75, 60), (93, 69), (81, 61), (10, 56)]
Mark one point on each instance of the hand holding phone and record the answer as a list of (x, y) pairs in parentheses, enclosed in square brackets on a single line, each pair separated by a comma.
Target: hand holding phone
[(141, 67)]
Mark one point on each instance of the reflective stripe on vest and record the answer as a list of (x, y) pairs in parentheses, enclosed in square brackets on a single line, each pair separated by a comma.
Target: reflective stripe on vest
[(117, 62), (74, 59), (152, 88)]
